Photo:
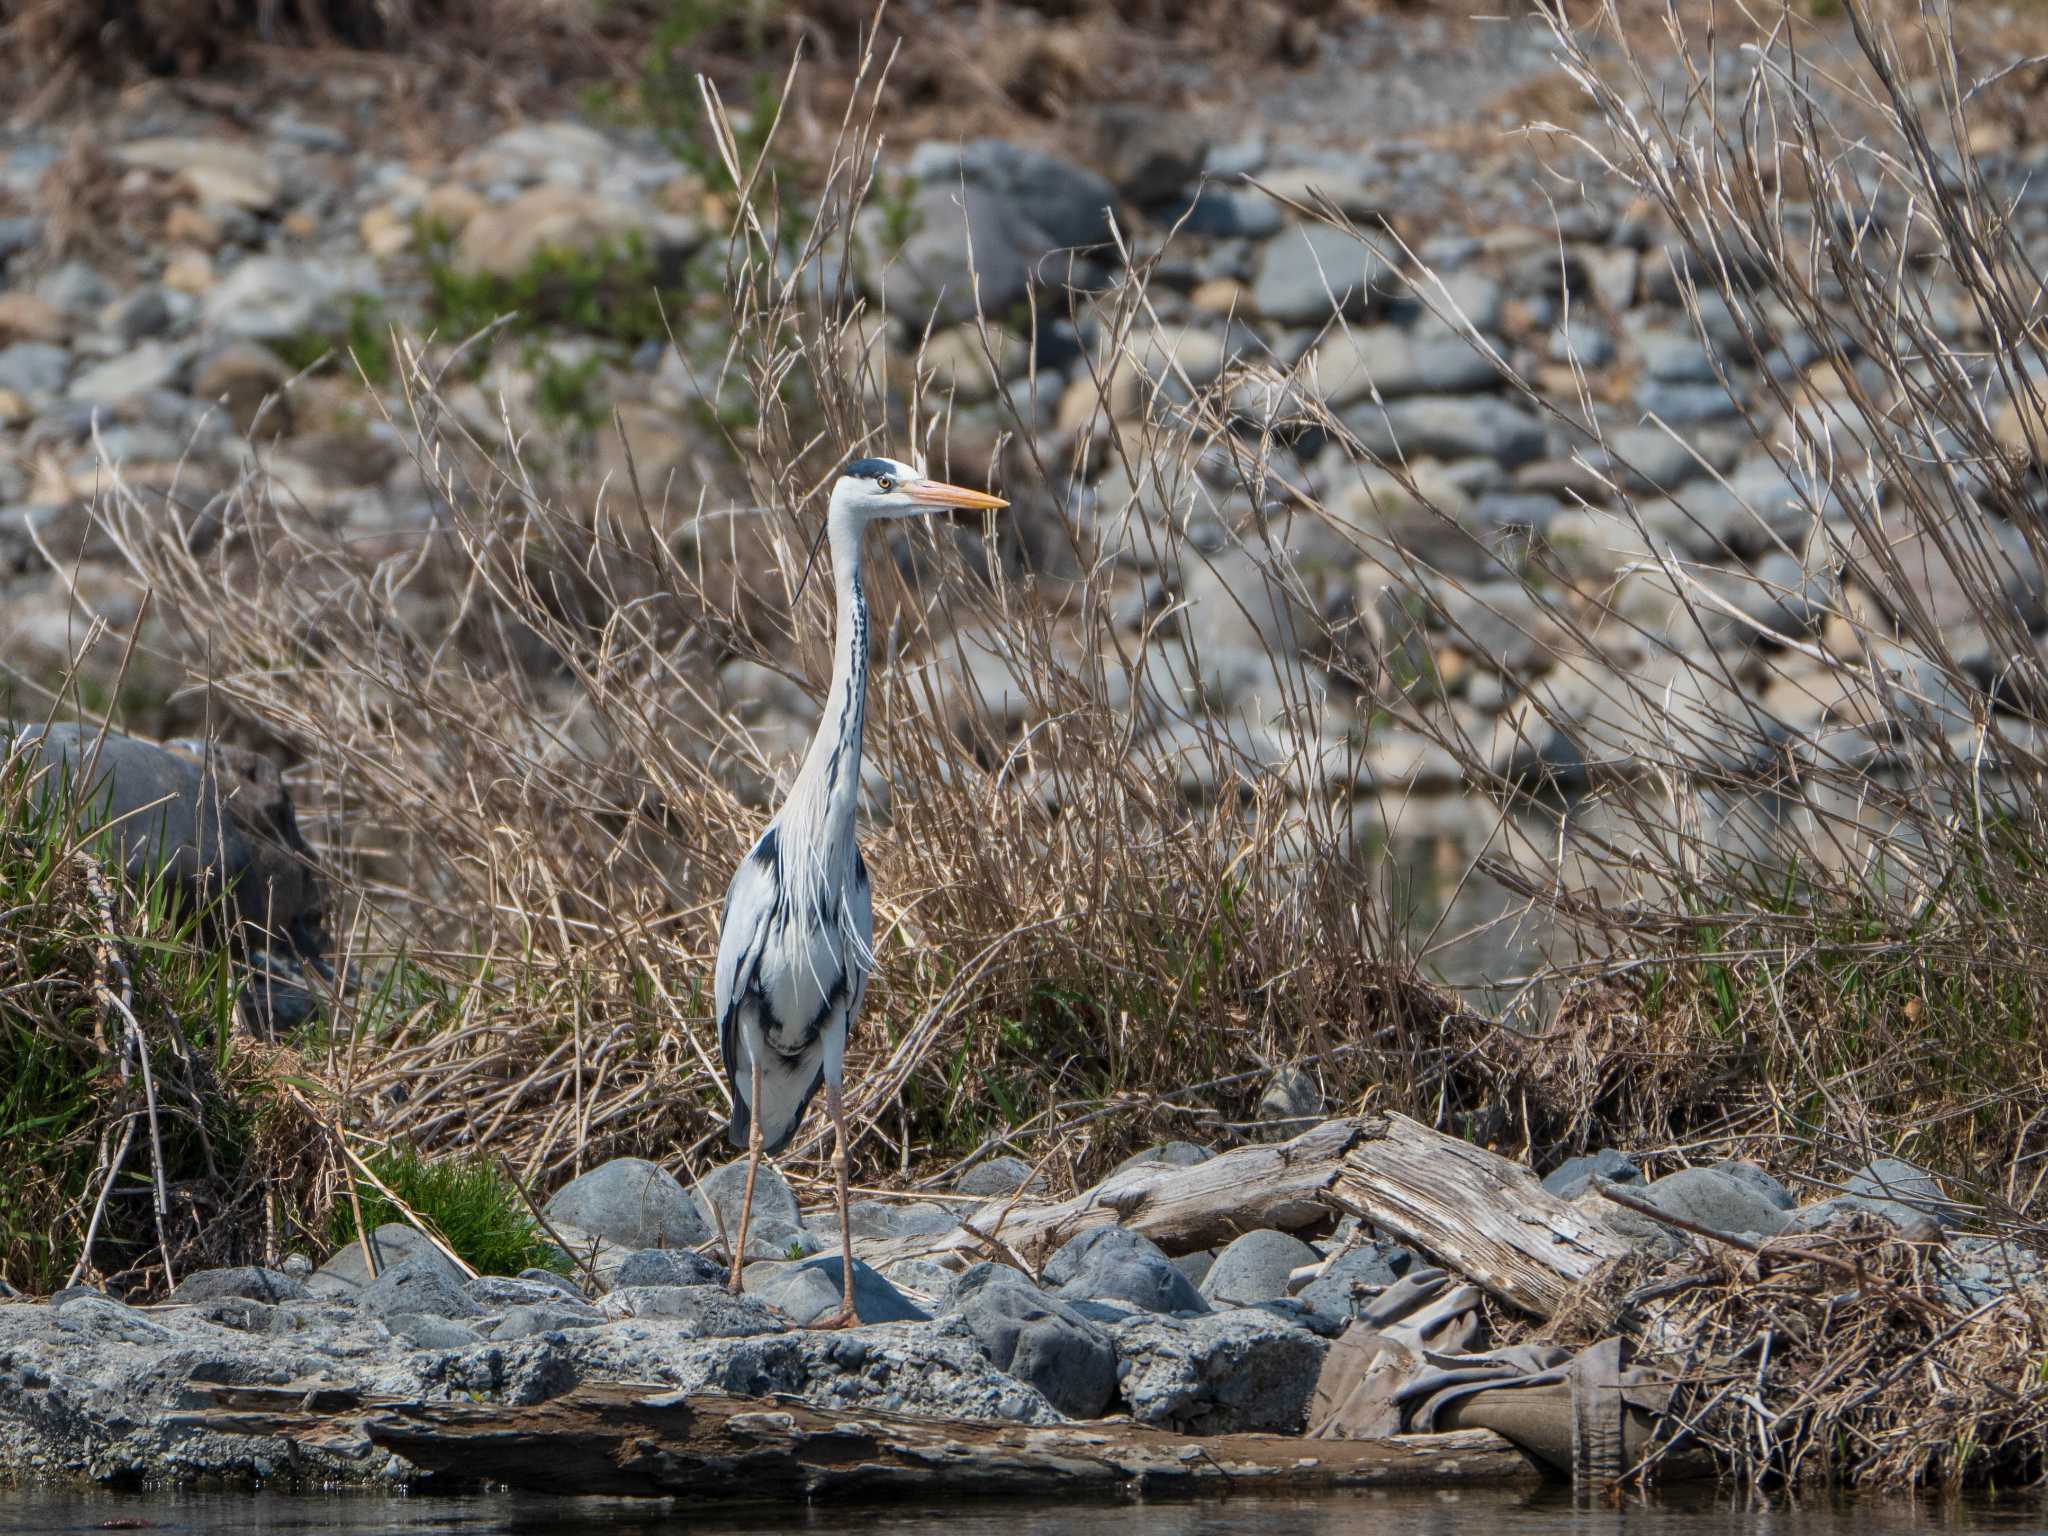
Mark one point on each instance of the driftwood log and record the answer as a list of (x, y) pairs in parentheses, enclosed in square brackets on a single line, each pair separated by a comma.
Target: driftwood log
[(626, 1440), (1478, 1213)]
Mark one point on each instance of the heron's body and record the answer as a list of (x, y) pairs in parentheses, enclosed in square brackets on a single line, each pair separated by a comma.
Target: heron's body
[(796, 932)]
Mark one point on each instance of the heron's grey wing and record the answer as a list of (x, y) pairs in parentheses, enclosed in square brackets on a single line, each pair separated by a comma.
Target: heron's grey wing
[(750, 903), (860, 913)]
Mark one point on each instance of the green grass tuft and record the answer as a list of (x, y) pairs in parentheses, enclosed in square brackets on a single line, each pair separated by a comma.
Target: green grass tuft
[(471, 1204)]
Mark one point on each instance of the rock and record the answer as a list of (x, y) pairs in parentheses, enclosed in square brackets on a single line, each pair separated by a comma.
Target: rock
[(1020, 206), (711, 1311), (212, 170), (812, 1288), (1038, 1339), (152, 365), (496, 1292), (18, 233), (1255, 1267), (1354, 1277), (1716, 1199), (1757, 1180), (997, 1176), (1675, 357), (27, 317), (345, 1272), (35, 370), (882, 1218), (935, 1370), (634, 1203), (281, 298), (1650, 459), (776, 1220), (666, 1266), (1292, 1096), (1117, 1264), (1070, 205), (1902, 1191), (522, 1322), (1196, 1265), (1225, 213), (144, 313), (1148, 154), (248, 1281), (1571, 1178), (1449, 427), (1170, 1154), (430, 1330), (1350, 365), (1229, 601), (75, 289), (1308, 273), (506, 240), (1242, 1371), (417, 1285), (239, 378)]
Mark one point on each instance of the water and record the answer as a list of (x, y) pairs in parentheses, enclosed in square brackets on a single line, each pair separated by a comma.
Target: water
[(1548, 1513)]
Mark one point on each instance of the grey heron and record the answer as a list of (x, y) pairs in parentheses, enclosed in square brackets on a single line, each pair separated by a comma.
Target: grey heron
[(795, 933)]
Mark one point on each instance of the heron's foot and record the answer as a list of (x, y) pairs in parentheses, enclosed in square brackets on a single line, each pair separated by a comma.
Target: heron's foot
[(732, 1282), (845, 1317)]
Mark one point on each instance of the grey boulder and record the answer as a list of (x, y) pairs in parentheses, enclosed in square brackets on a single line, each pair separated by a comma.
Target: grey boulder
[(1572, 1177), (346, 1272), (1231, 1372), (1117, 1264), (1893, 1181), (1354, 1277), (1038, 1339), (1255, 1267), (1718, 1199), (1168, 1154), (417, 1286), (666, 1266), (776, 1220), (813, 1288), (632, 1202), (708, 1309), (997, 1176), (251, 1282), (1312, 271), (523, 1322)]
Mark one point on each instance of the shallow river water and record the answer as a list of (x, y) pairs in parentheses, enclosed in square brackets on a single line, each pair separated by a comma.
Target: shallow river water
[(1551, 1513)]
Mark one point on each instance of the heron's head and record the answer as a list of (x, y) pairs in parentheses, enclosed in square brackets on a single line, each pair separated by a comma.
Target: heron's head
[(871, 489)]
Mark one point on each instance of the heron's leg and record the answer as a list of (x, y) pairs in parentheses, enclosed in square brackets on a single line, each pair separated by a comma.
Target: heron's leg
[(739, 1247), (847, 1316)]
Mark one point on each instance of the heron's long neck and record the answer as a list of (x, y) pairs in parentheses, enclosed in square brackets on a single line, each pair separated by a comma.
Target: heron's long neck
[(827, 788)]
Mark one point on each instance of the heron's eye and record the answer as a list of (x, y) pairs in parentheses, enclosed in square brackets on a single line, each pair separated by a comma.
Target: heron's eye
[(885, 484)]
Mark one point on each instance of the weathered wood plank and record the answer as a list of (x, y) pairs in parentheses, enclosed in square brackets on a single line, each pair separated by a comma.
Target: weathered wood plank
[(620, 1440), (1481, 1215)]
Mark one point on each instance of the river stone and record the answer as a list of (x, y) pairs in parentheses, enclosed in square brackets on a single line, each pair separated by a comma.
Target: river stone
[(1448, 427), (813, 1288), (34, 369), (345, 1272), (1755, 1178), (1255, 1267), (666, 1266), (495, 1292), (1117, 1264), (430, 1330), (1038, 1339), (1716, 1199), (417, 1285), (633, 1202), (1354, 1277), (1893, 1182), (1570, 1178), (777, 1222), (1312, 271), (710, 1310), (1241, 1371), (1196, 1265), (545, 1317), (997, 1176), (250, 1281), (1292, 1097), (1351, 364), (282, 298), (1169, 1154)]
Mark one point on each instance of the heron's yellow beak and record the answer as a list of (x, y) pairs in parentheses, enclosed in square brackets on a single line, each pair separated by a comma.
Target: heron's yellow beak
[(937, 493)]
